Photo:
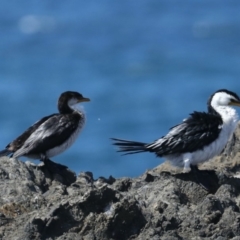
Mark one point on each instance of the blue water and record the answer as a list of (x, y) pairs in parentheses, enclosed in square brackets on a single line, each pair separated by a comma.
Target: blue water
[(145, 65)]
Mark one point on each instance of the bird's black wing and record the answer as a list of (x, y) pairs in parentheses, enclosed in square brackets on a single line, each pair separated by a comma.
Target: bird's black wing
[(19, 141), (53, 132), (194, 133)]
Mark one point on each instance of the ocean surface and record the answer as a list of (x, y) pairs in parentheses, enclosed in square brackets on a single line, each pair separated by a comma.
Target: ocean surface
[(145, 65)]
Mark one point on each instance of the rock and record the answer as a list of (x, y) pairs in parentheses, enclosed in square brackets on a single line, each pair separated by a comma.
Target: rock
[(51, 202)]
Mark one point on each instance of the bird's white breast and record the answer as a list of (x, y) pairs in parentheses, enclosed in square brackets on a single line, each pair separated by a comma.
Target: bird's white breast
[(230, 119), (68, 143)]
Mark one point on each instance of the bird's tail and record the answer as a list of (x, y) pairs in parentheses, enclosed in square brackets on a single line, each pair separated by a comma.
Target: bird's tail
[(130, 147), (4, 152)]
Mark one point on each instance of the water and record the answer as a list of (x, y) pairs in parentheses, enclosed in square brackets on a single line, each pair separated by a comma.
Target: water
[(145, 65)]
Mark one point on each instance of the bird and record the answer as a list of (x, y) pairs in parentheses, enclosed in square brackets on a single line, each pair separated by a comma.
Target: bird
[(52, 134), (198, 138)]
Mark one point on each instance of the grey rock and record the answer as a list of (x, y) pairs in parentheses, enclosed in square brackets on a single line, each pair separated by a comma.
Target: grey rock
[(51, 202)]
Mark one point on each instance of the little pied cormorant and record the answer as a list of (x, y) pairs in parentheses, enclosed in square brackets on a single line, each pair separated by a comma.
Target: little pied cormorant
[(198, 138), (52, 134)]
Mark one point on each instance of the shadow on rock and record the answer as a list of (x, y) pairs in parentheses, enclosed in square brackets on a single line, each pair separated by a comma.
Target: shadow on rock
[(207, 179), (58, 172)]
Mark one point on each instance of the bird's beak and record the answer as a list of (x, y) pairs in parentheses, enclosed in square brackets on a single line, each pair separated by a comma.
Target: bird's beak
[(235, 103), (84, 100)]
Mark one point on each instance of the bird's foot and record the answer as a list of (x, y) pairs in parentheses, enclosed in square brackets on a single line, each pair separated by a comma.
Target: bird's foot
[(186, 169)]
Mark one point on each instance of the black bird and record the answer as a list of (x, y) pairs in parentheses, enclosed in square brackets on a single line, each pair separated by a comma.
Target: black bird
[(52, 134), (198, 138)]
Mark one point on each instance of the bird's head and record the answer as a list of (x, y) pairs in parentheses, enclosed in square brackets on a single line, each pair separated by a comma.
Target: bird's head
[(69, 99), (75, 97), (224, 97)]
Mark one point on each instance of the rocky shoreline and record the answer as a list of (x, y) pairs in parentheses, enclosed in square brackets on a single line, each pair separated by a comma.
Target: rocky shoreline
[(51, 202)]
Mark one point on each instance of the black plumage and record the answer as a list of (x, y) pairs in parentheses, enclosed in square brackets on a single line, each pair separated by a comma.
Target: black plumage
[(199, 137), (195, 132), (52, 134)]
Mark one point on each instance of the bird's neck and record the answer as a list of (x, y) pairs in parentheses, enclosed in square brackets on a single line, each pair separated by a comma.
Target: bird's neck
[(227, 113), (64, 108)]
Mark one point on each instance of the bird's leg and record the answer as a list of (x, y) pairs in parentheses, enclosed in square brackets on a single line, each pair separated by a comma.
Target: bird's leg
[(54, 167), (44, 158), (194, 169), (186, 160), (186, 168)]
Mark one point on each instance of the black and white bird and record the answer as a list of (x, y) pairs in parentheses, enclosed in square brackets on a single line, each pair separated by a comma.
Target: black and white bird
[(198, 138), (52, 134)]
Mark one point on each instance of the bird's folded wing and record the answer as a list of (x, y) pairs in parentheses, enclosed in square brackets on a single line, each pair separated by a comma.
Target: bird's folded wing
[(51, 133), (194, 133)]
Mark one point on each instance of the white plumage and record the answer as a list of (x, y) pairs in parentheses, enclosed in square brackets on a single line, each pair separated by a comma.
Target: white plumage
[(230, 119), (198, 138)]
